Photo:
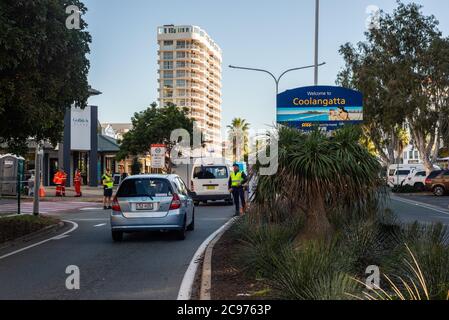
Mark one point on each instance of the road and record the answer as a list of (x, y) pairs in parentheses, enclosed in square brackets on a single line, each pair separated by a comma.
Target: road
[(143, 266)]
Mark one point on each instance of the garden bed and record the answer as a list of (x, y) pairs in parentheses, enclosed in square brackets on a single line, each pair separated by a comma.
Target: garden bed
[(229, 280), (12, 228)]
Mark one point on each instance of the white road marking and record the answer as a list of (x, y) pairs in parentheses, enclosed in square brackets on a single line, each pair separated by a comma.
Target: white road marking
[(75, 226), (60, 237), (419, 204), (91, 209), (99, 225), (185, 291), (90, 219)]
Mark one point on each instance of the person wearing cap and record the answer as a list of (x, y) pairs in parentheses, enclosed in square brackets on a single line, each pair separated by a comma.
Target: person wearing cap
[(236, 181)]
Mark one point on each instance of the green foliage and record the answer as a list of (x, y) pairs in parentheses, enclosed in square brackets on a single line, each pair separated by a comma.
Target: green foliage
[(153, 125), (44, 69), (313, 167), (403, 70), (18, 226), (239, 128), (136, 167)]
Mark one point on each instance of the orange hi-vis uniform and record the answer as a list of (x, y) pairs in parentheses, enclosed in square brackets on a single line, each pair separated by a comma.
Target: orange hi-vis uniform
[(59, 180), (77, 182)]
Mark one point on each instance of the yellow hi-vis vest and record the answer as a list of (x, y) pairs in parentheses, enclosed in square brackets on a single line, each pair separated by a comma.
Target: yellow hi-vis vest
[(107, 181), (236, 179)]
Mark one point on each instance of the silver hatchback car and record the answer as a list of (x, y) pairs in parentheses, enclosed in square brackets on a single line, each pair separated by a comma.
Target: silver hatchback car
[(153, 202)]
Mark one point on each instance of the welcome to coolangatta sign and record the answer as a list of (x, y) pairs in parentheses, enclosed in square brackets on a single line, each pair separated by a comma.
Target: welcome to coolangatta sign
[(326, 107)]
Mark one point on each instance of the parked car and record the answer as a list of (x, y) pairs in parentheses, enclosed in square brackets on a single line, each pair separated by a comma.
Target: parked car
[(402, 171), (438, 182), (209, 180), (152, 203), (416, 179)]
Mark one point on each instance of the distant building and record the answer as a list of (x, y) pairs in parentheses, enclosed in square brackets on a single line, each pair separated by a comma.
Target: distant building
[(115, 130), (190, 76)]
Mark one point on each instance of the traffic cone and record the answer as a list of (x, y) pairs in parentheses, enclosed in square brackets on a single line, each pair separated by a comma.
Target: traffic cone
[(42, 192)]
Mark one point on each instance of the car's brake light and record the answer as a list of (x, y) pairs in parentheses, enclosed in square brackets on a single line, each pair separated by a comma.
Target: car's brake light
[(175, 203), (116, 205), (428, 181)]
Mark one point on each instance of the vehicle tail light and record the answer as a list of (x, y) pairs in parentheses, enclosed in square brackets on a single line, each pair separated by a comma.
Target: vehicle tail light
[(428, 181), (116, 205), (175, 203)]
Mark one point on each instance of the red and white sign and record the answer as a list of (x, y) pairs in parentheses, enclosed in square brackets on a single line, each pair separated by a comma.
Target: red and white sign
[(158, 156)]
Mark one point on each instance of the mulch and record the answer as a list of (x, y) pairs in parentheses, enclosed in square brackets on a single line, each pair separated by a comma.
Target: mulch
[(229, 282)]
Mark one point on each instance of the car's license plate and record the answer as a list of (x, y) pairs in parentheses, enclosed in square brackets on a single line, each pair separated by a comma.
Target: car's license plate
[(144, 206), (210, 187)]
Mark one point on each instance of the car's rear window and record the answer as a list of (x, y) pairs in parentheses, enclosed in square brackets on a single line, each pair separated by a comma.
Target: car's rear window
[(403, 172), (434, 174), (210, 172), (145, 187)]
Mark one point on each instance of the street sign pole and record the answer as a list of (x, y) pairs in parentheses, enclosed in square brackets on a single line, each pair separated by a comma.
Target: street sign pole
[(37, 180)]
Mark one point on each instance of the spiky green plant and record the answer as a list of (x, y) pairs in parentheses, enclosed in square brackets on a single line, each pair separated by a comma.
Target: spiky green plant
[(317, 172)]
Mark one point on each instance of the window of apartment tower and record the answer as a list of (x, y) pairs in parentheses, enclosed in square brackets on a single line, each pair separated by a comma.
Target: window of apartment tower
[(180, 64), (168, 83), (180, 54), (180, 44), (168, 65), (168, 42), (168, 55), (180, 83), (168, 74), (180, 73)]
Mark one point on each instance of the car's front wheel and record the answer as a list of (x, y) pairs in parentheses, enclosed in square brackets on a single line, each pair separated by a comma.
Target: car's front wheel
[(117, 236), (438, 191)]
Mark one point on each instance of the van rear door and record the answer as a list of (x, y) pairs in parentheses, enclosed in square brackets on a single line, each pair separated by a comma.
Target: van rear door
[(210, 180)]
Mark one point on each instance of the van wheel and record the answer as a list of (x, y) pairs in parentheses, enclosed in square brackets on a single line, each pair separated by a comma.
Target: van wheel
[(117, 236), (419, 186), (191, 226), (438, 191), (181, 234)]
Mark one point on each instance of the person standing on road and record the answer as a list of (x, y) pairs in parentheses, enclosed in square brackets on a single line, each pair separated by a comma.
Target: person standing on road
[(108, 184), (77, 181), (236, 181), (59, 180)]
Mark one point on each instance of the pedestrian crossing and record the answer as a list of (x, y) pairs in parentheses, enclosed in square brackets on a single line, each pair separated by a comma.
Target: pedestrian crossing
[(48, 207)]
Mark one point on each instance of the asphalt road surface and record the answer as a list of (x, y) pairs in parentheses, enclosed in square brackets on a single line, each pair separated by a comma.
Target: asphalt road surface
[(143, 266)]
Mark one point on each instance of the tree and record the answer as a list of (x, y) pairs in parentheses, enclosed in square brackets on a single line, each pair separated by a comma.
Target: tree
[(403, 70), (43, 67), (238, 132), (153, 125), (317, 173)]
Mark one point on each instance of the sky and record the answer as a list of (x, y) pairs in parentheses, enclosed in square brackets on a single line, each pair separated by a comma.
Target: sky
[(273, 35)]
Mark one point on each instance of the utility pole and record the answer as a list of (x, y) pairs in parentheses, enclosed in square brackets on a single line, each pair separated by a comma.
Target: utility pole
[(317, 31)]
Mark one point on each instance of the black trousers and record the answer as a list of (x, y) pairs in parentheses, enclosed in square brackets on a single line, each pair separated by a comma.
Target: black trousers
[(239, 196)]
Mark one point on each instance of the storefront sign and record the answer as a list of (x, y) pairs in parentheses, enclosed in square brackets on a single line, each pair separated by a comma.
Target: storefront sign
[(325, 107), (80, 129)]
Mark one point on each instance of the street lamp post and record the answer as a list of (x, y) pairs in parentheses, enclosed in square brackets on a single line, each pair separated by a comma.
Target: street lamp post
[(317, 26), (278, 79)]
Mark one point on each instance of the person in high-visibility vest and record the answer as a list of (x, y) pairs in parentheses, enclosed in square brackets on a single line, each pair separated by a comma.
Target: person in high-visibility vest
[(236, 181), (108, 185), (59, 180), (77, 182)]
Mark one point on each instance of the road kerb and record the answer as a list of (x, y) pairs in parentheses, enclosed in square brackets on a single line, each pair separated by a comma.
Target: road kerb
[(185, 290)]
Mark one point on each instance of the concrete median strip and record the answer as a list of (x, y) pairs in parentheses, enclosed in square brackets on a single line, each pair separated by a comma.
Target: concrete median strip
[(185, 291)]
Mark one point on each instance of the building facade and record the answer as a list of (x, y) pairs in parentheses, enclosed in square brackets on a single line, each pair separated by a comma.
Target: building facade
[(190, 76)]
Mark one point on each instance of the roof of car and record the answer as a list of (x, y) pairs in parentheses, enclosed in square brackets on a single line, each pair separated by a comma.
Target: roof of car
[(154, 176)]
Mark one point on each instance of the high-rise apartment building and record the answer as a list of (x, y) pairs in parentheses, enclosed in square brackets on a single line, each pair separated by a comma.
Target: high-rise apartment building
[(190, 76)]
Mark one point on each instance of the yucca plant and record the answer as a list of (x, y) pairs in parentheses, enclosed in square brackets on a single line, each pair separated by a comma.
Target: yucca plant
[(318, 172), (413, 284)]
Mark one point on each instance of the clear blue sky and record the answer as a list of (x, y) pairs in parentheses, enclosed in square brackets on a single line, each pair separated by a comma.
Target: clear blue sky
[(274, 35)]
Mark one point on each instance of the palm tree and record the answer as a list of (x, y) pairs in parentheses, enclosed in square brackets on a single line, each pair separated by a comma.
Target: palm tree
[(238, 132), (317, 173)]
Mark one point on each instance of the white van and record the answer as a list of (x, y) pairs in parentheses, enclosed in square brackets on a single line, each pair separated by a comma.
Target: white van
[(403, 170), (209, 180)]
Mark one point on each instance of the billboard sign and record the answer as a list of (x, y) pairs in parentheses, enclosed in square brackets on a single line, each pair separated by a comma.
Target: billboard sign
[(326, 107), (80, 129), (158, 156)]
